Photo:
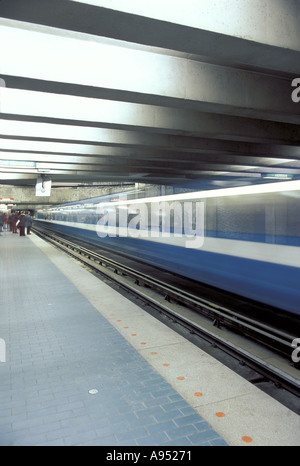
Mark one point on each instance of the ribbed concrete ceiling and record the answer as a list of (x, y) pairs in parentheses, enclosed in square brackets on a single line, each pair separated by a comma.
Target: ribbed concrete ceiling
[(156, 92)]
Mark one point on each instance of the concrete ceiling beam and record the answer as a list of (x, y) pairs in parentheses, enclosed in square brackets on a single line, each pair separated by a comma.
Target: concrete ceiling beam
[(150, 78), (253, 33), (56, 108)]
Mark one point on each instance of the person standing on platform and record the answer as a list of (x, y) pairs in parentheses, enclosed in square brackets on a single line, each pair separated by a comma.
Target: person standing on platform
[(28, 223), (6, 217), (13, 222), (22, 223), (2, 216), (9, 225)]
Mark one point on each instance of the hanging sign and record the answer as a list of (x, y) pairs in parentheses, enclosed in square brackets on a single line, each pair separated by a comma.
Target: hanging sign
[(43, 186)]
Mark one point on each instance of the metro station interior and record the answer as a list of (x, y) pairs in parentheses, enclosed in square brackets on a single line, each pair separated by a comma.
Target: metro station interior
[(154, 147)]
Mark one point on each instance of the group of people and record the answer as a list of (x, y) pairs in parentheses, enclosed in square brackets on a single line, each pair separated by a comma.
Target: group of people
[(16, 221)]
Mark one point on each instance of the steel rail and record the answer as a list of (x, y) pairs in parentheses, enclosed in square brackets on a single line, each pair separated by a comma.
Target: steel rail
[(273, 338)]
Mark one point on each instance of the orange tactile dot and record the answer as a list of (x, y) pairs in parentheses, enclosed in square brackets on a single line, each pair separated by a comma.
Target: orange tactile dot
[(166, 364), (143, 343), (125, 327), (180, 378), (220, 414), (198, 394), (247, 439), (119, 320), (133, 334), (154, 352)]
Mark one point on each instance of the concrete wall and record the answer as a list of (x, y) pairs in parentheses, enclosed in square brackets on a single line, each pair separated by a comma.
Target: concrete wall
[(25, 198)]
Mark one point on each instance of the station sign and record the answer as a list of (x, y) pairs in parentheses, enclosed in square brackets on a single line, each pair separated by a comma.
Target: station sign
[(278, 176), (43, 186), (17, 164)]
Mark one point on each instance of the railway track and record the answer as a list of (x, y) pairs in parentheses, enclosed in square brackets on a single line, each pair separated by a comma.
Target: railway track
[(232, 332)]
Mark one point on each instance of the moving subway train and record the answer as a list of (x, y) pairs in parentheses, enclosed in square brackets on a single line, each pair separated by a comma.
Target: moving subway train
[(243, 240)]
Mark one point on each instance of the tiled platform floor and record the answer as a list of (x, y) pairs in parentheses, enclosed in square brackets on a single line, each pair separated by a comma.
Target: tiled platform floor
[(58, 348)]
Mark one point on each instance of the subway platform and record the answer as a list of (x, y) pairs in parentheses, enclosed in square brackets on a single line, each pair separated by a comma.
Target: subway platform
[(84, 366)]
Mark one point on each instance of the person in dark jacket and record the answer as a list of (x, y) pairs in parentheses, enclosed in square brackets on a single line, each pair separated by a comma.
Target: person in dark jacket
[(13, 222), (28, 223), (22, 223), (2, 216), (9, 222)]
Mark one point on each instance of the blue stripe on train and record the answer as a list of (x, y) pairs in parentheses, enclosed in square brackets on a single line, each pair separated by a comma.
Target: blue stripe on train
[(273, 284)]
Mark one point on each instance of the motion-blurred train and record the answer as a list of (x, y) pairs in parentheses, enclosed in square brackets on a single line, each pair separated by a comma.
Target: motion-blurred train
[(243, 240)]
